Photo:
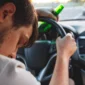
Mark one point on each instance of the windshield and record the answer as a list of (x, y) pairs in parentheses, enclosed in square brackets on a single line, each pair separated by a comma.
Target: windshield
[(74, 9)]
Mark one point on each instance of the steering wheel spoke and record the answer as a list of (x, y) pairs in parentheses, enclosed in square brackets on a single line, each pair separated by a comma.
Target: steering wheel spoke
[(42, 75)]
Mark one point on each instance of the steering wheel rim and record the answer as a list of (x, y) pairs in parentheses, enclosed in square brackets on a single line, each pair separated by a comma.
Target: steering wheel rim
[(41, 77), (53, 22)]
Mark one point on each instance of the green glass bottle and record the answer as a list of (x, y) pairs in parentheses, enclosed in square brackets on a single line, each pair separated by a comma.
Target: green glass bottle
[(44, 26), (58, 10)]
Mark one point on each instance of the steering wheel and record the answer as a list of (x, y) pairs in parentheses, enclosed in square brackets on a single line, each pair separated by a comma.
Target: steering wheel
[(37, 54), (42, 75)]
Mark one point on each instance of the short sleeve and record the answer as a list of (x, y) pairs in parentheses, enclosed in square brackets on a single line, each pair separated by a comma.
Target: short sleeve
[(23, 77), (14, 73)]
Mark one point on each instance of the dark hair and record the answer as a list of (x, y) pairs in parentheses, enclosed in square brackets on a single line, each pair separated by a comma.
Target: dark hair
[(25, 15), (34, 33)]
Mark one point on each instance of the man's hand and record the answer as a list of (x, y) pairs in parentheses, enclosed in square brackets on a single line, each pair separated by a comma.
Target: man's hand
[(45, 13), (66, 46)]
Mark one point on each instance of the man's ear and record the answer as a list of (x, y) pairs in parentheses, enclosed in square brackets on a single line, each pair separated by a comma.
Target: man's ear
[(7, 10)]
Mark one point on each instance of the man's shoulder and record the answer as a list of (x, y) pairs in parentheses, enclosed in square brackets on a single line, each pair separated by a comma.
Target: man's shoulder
[(26, 77), (14, 73), (23, 77), (10, 63)]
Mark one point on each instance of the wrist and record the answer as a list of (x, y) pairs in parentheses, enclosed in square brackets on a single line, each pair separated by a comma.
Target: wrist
[(62, 62), (63, 57)]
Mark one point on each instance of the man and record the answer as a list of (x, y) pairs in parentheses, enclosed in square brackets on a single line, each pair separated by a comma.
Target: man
[(18, 28)]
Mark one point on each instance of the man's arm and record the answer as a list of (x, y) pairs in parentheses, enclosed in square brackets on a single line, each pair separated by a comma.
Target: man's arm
[(60, 75), (46, 13), (65, 49)]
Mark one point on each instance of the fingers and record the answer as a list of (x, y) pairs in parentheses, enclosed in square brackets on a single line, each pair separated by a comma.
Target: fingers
[(53, 17), (44, 13), (68, 36), (67, 39), (58, 39), (66, 46)]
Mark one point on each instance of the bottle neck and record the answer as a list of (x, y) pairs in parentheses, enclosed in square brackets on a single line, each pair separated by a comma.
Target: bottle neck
[(54, 13)]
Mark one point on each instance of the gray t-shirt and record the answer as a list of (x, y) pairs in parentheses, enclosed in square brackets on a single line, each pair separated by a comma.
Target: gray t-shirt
[(12, 72)]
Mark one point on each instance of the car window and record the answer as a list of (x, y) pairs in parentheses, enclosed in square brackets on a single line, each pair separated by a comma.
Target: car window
[(74, 9)]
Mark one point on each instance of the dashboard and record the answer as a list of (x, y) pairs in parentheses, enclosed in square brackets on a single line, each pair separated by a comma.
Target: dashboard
[(78, 26)]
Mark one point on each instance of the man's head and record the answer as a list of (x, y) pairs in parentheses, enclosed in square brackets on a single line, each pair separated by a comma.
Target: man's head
[(18, 25)]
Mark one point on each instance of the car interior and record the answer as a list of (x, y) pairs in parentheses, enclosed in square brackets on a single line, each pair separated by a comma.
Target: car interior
[(40, 58)]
